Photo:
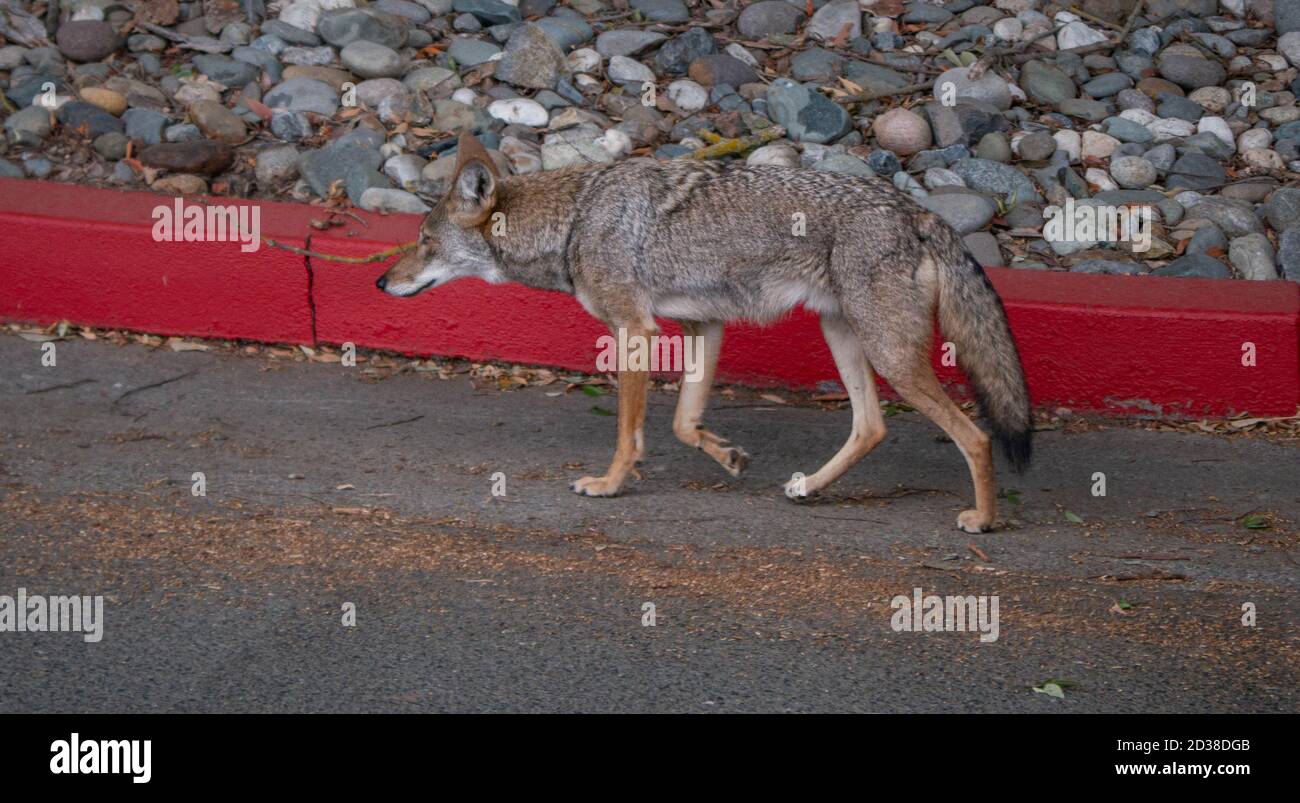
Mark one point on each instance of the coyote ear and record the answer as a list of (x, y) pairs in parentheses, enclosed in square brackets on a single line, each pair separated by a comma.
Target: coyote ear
[(475, 190), (469, 149), (475, 193)]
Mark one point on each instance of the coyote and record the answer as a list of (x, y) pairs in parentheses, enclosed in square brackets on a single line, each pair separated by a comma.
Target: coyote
[(706, 243)]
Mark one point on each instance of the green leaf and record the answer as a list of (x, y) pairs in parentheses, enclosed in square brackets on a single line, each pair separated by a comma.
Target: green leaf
[(593, 390), (1012, 496), (1051, 690), (1073, 517), (1255, 521), (892, 409), (1124, 605), (596, 409)]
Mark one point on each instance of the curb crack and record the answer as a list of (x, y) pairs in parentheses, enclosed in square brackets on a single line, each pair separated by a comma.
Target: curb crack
[(311, 289)]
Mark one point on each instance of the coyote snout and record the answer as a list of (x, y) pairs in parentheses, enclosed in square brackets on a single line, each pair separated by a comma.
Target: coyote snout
[(706, 243), (454, 240)]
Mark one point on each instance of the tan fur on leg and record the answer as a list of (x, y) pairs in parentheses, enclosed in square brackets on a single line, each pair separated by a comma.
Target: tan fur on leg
[(693, 398), (868, 423), (633, 387), (921, 389)]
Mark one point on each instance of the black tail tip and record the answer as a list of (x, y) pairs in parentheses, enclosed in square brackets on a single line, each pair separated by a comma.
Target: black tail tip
[(1017, 447)]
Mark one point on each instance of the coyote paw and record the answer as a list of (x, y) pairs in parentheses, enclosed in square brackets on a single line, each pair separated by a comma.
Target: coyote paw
[(797, 488), (972, 522), (735, 460), (595, 486)]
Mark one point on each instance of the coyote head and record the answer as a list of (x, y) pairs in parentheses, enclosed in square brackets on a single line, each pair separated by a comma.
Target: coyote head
[(452, 243)]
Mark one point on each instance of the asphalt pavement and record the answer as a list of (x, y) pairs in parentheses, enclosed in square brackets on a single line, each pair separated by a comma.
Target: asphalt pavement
[(329, 490)]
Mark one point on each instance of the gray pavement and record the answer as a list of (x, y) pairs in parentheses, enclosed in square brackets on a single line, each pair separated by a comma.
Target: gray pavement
[(326, 487)]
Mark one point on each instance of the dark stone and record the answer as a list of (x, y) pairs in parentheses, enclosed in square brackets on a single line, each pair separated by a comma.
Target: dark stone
[(194, 156), (87, 119)]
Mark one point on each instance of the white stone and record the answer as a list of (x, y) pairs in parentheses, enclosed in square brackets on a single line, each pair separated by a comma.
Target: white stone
[(1097, 145), (1271, 62), (1100, 179), (302, 14), (688, 96), (737, 51), (404, 169), (1139, 116), (1070, 142), (1171, 128), (1254, 138), (1214, 99), (192, 92), (622, 70), (387, 199), (1263, 157), (1077, 34), (464, 95), (902, 131), (1219, 127), (1289, 45), (519, 111), (525, 157), (942, 177), (584, 59), (1280, 115), (615, 142), (780, 154), (1132, 172), (990, 88), (1008, 29)]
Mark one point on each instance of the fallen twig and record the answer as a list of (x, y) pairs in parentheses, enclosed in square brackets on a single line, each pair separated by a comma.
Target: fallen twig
[(732, 147), (377, 257), (60, 387), (396, 423), (158, 384)]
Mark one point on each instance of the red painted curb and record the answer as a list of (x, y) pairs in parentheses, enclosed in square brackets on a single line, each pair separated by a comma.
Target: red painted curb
[(88, 256), (1092, 343)]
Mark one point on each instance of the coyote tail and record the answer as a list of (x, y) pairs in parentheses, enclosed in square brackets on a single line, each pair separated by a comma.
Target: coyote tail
[(971, 313)]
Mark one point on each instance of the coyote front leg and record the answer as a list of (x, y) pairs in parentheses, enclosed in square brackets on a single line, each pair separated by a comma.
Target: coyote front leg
[(632, 389), (694, 397), (868, 423)]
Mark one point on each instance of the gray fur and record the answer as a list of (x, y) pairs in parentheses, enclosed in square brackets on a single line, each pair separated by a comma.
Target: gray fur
[(702, 241)]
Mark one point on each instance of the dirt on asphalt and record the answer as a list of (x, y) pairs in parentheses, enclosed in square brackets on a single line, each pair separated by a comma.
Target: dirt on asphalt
[(327, 485)]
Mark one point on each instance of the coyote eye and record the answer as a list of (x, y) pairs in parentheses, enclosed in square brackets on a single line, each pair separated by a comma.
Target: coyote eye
[(428, 246)]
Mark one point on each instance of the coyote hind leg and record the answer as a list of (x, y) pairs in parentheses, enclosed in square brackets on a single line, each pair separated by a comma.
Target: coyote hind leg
[(913, 378), (868, 422), (693, 398)]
